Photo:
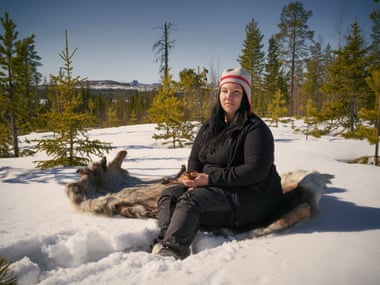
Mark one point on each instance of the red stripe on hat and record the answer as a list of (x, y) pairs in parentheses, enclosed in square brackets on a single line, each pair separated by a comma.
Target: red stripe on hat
[(237, 77)]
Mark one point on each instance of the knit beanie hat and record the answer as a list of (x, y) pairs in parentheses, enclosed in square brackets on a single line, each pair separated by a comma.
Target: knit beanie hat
[(239, 76)]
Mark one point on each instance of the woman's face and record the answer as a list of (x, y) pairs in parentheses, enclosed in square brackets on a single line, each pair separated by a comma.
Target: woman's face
[(230, 97)]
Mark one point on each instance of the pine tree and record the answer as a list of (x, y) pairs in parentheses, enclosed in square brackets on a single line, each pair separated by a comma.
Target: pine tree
[(112, 119), (278, 107), (274, 78), (311, 119), (346, 81), (167, 112), (18, 62), (315, 76), (30, 62), (133, 118), (375, 36), (372, 132), (7, 276), (135, 108), (294, 38), (196, 96), (5, 140), (139, 110), (70, 145), (252, 59)]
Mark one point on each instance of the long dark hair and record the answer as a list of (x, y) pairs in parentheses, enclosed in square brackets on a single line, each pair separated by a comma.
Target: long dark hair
[(218, 130)]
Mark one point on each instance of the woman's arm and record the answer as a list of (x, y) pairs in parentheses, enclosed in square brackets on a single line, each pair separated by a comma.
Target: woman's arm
[(194, 163), (258, 158)]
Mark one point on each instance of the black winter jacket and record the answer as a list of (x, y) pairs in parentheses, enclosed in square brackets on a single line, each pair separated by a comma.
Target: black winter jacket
[(248, 175)]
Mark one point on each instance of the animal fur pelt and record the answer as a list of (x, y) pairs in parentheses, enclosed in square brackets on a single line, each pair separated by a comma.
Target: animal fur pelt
[(108, 189)]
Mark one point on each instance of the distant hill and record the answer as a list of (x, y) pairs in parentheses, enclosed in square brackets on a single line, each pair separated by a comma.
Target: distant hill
[(111, 84)]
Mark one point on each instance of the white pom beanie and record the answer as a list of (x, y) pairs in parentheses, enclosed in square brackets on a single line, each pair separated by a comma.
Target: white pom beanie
[(239, 76)]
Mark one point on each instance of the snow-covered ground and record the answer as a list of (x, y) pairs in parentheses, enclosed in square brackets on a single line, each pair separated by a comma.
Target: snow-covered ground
[(50, 243)]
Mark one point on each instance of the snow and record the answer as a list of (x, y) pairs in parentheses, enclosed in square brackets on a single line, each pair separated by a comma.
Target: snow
[(50, 243)]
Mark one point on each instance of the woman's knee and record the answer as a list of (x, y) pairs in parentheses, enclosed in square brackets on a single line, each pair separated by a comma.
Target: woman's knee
[(169, 196), (174, 191)]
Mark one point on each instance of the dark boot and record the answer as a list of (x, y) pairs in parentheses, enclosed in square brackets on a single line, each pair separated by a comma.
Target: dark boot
[(177, 253)]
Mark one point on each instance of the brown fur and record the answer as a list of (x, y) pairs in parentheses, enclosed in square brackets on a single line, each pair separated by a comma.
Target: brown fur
[(110, 190), (300, 212)]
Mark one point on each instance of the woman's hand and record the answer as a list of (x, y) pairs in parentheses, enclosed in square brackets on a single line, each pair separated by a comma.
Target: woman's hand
[(194, 179)]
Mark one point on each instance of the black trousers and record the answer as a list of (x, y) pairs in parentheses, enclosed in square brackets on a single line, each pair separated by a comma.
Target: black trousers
[(181, 212)]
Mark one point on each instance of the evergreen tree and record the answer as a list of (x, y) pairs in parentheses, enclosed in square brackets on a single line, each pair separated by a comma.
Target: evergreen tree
[(346, 81), (372, 132), (70, 145), (375, 36), (18, 62), (311, 119), (294, 38), (252, 59), (135, 107), (118, 109), (5, 139), (133, 118), (315, 76), (196, 96), (92, 106), (274, 78), (112, 118), (139, 110), (167, 112), (278, 107), (28, 79), (7, 276)]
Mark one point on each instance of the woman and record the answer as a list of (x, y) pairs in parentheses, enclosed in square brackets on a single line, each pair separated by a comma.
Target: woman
[(233, 181)]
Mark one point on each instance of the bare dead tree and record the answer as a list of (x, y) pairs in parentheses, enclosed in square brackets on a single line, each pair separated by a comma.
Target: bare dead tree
[(162, 47), (339, 28)]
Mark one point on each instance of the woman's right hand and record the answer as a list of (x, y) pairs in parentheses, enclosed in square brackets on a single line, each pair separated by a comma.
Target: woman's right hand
[(194, 179)]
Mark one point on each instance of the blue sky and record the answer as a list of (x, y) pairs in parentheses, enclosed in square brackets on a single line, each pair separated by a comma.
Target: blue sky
[(115, 37)]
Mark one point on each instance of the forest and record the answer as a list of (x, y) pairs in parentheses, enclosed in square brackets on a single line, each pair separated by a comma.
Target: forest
[(336, 91)]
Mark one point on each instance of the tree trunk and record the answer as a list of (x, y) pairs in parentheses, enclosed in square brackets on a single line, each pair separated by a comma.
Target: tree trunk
[(166, 67), (377, 162), (14, 134), (292, 75)]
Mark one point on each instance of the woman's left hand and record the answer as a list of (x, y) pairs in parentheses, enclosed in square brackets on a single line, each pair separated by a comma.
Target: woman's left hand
[(195, 179)]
